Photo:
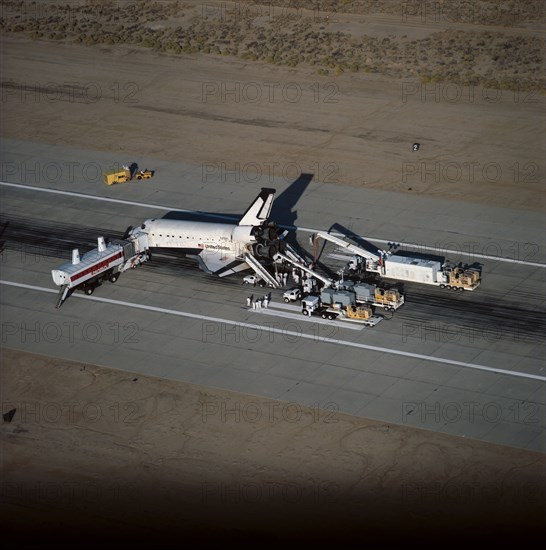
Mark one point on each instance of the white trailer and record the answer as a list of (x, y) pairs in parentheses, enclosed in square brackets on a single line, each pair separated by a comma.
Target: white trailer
[(430, 272), (406, 267), (105, 262)]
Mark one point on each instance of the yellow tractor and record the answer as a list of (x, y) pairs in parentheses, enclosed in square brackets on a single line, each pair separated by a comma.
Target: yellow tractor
[(143, 174)]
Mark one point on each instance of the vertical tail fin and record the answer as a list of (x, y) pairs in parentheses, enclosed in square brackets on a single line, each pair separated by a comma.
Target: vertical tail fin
[(259, 210)]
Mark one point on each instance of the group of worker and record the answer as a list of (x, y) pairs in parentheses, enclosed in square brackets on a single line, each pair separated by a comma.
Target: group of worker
[(297, 275), (281, 278), (259, 303), (301, 278)]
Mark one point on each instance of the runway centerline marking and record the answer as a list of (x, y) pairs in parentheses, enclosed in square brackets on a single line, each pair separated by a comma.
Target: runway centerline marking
[(313, 337), (235, 218)]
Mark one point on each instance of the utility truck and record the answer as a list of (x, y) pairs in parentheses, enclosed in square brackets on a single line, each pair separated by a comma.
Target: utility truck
[(405, 267)]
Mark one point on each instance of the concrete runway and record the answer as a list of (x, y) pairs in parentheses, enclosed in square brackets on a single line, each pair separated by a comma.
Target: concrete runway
[(471, 364)]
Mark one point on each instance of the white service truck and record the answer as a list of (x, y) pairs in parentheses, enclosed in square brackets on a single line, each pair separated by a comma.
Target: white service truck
[(428, 271), (406, 267)]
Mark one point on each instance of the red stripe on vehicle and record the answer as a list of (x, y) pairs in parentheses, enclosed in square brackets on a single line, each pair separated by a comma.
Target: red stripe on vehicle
[(97, 268)]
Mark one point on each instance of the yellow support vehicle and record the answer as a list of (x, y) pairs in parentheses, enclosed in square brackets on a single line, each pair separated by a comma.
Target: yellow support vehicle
[(143, 174), (116, 176), (128, 172)]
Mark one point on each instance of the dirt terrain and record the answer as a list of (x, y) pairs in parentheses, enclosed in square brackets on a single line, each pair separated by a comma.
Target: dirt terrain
[(242, 115), (97, 451)]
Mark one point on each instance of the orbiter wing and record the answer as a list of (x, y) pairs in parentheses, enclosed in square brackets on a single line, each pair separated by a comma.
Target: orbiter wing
[(219, 263)]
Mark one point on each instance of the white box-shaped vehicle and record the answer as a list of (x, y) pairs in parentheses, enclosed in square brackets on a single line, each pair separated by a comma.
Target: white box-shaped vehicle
[(408, 268), (105, 262), (432, 272)]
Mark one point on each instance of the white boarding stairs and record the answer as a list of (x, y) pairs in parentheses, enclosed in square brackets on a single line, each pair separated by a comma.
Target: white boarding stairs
[(327, 282), (289, 250), (260, 270), (61, 297), (291, 253)]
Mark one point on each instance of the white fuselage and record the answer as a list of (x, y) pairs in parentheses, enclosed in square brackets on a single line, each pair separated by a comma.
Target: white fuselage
[(218, 237)]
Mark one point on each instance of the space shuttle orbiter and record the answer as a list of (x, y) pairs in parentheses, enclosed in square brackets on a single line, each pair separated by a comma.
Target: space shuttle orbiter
[(222, 248)]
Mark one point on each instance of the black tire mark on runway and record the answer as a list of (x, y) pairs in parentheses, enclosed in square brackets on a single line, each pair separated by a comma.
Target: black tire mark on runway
[(522, 318)]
